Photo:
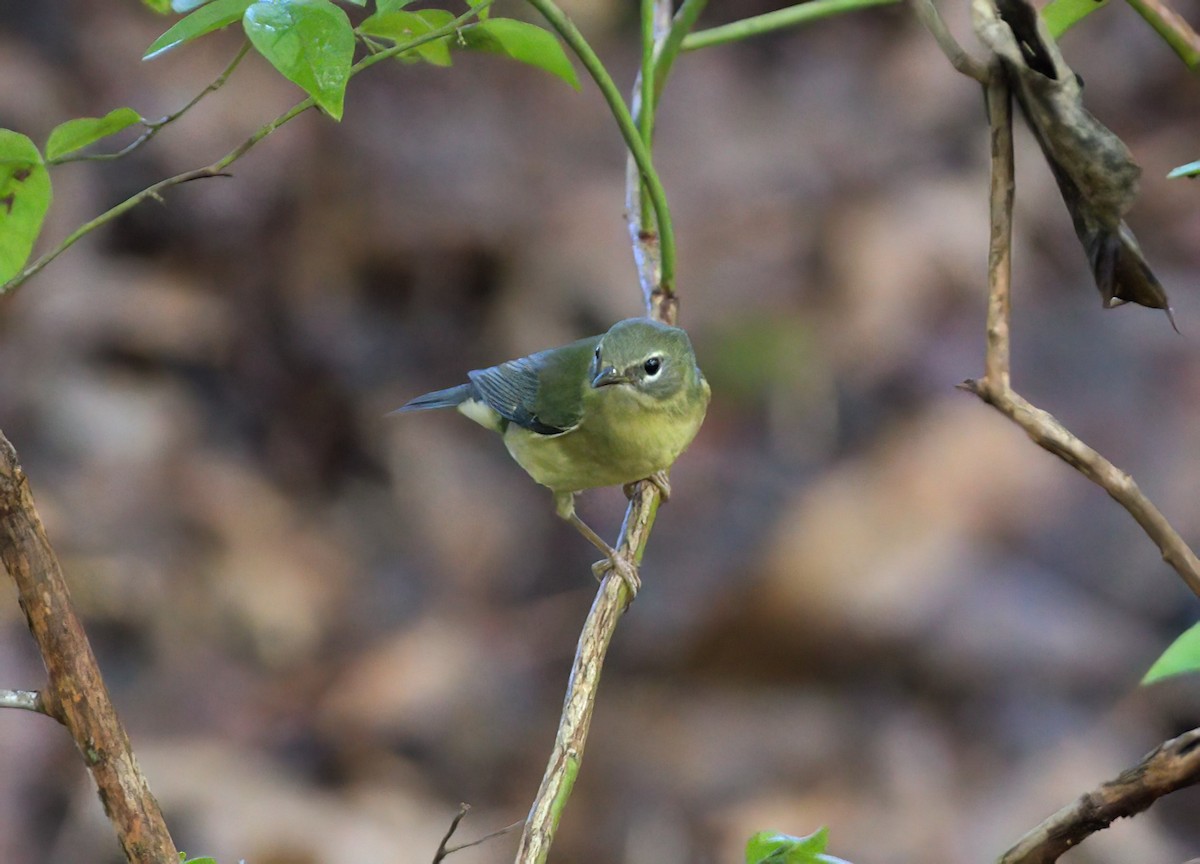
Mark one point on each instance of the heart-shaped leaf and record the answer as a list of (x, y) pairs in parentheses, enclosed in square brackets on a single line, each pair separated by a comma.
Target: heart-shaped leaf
[(310, 42), (206, 19), (527, 43), (24, 198), (399, 26), (74, 135)]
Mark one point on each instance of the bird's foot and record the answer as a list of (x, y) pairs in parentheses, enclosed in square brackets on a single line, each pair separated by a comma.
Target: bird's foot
[(659, 479), (624, 569)]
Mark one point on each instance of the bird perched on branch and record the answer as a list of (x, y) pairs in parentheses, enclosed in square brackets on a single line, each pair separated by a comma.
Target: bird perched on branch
[(604, 411)]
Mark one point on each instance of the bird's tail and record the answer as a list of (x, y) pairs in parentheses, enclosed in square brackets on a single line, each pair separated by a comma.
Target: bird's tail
[(451, 398)]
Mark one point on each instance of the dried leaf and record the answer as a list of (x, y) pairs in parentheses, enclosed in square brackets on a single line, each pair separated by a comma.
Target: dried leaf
[(1094, 170)]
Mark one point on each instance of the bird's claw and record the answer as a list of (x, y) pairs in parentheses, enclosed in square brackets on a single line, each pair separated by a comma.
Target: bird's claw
[(659, 479), (626, 570)]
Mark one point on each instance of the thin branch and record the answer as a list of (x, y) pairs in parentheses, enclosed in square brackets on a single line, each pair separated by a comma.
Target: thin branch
[(442, 852), (780, 19), (1000, 201), (153, 127), (76, 689), (1173, 765), (928, 15), (611, 601), (668, 49), (613, 597), (25, 700), (217, 169), (499, 832), (995, 388), (1173, 29), (629, 131)]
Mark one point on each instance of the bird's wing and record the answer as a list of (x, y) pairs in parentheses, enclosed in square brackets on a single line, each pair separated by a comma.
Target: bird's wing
[(542, 392)]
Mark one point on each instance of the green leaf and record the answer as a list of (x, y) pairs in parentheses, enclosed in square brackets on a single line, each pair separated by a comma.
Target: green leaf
[(213, 16), (310, 42), (1062, 15), (162, 7), (524, 42), (382, 7), (1182, 656), (182, 6), (406, 26), (76, 134), (768, 847), (1192, 169), (205, 860), (24, 198), (485, 12)]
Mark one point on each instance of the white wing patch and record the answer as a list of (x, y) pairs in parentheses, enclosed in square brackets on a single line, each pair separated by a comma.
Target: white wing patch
[(481, 414)]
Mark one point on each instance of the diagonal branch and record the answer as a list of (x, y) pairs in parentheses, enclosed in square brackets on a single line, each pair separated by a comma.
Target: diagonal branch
[(26, 700), (995, 388), (1173, 765), (76, 694), (613, 597)]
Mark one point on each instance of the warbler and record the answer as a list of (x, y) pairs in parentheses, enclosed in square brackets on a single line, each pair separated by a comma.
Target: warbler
[(604, 411)]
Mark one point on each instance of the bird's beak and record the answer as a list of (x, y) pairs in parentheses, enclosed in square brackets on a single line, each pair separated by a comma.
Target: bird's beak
[(609, 375)]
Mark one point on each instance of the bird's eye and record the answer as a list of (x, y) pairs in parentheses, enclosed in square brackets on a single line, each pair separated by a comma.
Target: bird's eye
[(652, 366)]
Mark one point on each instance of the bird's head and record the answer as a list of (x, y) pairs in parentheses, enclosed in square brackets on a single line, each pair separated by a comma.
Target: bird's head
[(649, 357)]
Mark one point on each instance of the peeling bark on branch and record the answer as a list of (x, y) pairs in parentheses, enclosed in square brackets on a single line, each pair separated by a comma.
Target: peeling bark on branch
[(76, 695)]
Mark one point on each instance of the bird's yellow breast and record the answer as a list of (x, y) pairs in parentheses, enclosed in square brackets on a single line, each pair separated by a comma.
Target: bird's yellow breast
[(624, 436)]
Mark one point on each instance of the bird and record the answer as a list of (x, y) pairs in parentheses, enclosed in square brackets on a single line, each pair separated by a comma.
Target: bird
[(607, 410)]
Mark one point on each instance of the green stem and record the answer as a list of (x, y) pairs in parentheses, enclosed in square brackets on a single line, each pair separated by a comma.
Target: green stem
[(645, 110), (629, 131), (217, 169), (778, 20), (681, 26), (153, 127), (1175, 31)]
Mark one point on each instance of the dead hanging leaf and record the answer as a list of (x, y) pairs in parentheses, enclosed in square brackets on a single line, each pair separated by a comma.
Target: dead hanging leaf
[(1094, 170)]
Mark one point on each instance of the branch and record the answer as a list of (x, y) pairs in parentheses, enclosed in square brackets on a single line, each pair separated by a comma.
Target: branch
[(629, 131), (613, 597), (1173, 29), (610, 603), (26, 700), (778, 20), (995, 389), (218, 168), (928, 15), (153, 127), (1173, 765), (76, 693)]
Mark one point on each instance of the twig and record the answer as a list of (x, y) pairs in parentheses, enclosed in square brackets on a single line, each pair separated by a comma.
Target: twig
[(995, 389), (1173, 765), (668, 49), (928, 15), (26, 700), (665, 272), (499, 832), (777, 20), (217, 169), (611, 601), (613, 596), (1173, 29), (463, 810), (76, 694), (153, 127)]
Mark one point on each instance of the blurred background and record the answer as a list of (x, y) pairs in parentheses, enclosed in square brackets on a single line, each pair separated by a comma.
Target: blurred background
[(871, 604)]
